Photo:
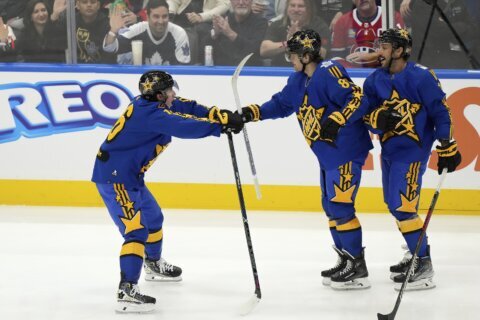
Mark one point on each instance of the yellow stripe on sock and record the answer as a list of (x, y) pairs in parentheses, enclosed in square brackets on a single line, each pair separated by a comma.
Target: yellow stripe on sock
[(155, 236), (134, 248), (351, 225), (410, 225)]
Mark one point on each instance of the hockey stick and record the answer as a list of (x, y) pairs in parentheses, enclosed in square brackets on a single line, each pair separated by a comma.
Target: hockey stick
[(392, 314), (235, 76), (252, 303)]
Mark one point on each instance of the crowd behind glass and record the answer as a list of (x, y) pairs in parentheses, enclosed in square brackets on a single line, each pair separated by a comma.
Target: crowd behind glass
[(195, 32)]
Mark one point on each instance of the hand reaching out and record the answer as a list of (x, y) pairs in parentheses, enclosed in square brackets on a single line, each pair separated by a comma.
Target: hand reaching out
[(58, 7), (117, 21)]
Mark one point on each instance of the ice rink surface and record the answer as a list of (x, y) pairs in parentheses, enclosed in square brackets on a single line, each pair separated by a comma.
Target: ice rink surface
[(62, 263)]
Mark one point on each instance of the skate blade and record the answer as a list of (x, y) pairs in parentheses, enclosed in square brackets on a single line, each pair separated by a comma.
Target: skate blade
[(156, 278), (130, 307), (423, 284), (326, 281), (393, 275), (356, 284)]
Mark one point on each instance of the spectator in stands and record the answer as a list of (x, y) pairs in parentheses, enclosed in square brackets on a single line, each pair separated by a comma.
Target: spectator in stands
[(92, 26), (331, 10), (40, 40), (7, 42), (238, 34), (441, 48), (164, 43), (11, 12), (354, 34), (299, 15), (195, 16)]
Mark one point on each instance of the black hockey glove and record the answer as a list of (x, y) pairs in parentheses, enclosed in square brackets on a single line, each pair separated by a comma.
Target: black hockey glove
[(231, 122), (330, 127), (448, 156), (385, 119), (250, 113)]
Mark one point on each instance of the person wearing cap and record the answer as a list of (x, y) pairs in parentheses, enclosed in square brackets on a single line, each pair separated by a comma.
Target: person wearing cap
[(329, 108), (133, 144), (408, 110)]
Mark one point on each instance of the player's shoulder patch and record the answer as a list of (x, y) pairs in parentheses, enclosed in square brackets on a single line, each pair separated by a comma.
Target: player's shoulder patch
[(326, 64), (421, 66)]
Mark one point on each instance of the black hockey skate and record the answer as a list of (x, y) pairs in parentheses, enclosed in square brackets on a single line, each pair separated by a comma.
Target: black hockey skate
[(341, 263), (354, 276), (161, 270), (130, 300), (421, 278), (402, 266)]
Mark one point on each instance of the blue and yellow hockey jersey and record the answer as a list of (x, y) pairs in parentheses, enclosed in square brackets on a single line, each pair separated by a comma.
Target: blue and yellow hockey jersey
[(416, 94), (330, 89), (143, 132)]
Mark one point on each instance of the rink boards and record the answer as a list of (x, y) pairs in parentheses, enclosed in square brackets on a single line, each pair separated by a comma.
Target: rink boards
[(53, 119)]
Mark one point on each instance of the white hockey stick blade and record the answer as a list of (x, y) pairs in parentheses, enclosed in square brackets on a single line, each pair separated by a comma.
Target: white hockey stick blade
[(234, 82), (248, 306)]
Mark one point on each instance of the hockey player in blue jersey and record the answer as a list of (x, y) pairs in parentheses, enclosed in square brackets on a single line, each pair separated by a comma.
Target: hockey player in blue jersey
[(409, 112), (138, 137), (329, 108)]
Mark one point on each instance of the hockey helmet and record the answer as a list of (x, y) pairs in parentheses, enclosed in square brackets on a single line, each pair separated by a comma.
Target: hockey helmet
[(305, 42), (399, 38), (155, 82)]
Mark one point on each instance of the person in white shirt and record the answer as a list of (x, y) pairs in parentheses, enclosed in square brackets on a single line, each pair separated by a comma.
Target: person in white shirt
[(164, 43)]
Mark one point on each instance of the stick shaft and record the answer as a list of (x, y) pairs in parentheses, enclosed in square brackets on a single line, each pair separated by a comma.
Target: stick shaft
[(244, 216)]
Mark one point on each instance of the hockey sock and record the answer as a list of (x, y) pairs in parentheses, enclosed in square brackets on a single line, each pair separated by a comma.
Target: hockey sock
[(153, 247), (411, 230), (336, 238), (350, 234)]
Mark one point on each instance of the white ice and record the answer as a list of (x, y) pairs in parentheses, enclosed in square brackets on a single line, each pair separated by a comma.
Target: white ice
[(62, 263)]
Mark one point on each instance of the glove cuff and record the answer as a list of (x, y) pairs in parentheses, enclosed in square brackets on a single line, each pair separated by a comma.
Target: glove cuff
[(255, 109), (374, 117), (338, 117), (447, 150), (212, 113)]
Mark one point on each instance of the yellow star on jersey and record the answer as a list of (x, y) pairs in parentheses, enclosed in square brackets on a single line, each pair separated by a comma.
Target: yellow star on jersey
[(408, 111), (408, 205), (132, 224), (357, 94), (343, 196)]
